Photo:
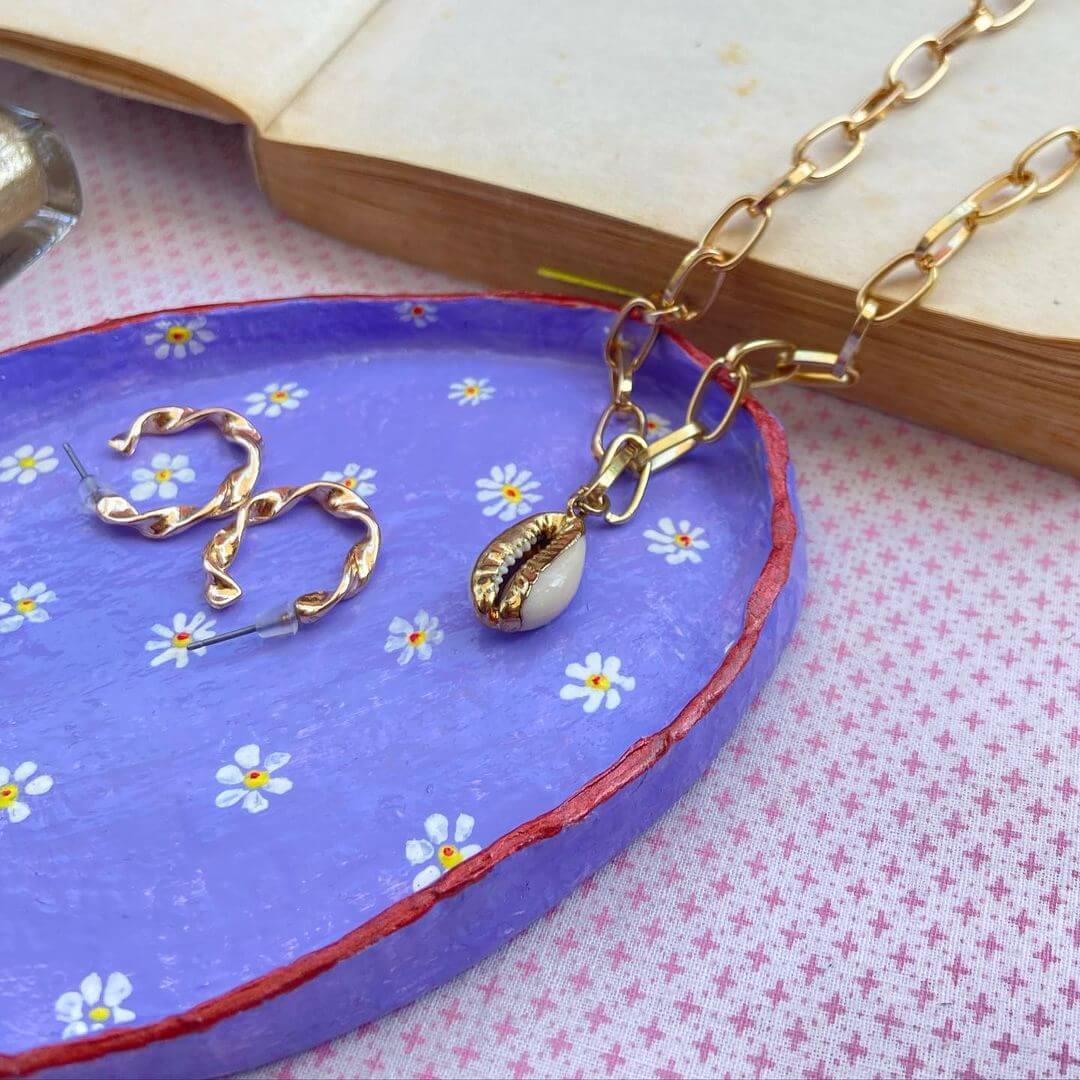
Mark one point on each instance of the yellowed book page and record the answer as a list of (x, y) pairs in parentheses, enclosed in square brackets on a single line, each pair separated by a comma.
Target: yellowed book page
[(254, 54), (660, 114)]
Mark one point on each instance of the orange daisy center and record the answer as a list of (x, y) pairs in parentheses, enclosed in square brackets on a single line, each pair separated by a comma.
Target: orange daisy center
[(178, 335), (449, 855), (683, 540), (598, 682), (511, 493), (417, 638), (280, 395)]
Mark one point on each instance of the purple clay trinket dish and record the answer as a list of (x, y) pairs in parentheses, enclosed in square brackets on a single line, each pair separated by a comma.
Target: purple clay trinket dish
[(218, 857)]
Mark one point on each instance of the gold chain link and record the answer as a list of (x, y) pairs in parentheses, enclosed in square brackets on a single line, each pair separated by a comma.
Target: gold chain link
[(743, 223), (822, 153), (898, 286), (999, 196)]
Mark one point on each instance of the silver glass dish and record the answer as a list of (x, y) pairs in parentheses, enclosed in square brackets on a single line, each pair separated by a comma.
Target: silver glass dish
[(40, 198)]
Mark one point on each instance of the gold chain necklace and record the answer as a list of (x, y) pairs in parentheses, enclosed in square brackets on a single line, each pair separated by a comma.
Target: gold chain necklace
[(529, 574)]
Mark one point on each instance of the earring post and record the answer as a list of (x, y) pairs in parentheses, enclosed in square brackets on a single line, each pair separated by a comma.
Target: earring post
[(243, 631), (74, 458), (278, 622)]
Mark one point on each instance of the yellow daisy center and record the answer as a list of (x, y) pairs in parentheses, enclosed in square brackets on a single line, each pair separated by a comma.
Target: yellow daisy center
[(26, 605), (27, 463), (256, 778), (449, 855), (598, 682), (280, 395), (162, 475), (471, 391), (417, 638), (8, 794), (683, 540), (349, 482), (178, 335), (181, 640), (511, 493), (99, 1014)]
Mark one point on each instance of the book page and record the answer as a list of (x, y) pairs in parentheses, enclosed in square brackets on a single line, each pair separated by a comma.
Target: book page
[(253, 54), (661, 114)]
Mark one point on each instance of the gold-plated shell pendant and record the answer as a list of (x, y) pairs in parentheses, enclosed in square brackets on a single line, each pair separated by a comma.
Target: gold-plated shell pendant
[(528, 574)]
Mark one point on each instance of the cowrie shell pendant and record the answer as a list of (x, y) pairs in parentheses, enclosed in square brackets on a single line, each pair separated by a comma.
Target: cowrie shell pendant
[(528, 574)]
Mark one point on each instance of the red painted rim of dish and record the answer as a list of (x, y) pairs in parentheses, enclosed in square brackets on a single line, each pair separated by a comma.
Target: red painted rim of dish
[(633, 763)]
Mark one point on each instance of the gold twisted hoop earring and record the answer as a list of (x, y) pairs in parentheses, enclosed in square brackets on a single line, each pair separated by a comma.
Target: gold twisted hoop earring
[(165, 521), (336, 499)]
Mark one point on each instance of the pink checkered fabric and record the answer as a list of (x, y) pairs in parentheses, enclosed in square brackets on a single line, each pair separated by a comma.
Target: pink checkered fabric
[(880, 876)]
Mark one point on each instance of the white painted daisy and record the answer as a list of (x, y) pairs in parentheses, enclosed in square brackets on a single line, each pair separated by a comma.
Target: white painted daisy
[(274, 397), (179, 337), (597, 681), (414, 638), (656, 426), (250, 779), (27, 605), (437, 846), (179, 641), (24, 464), (677, 545), (165, 472), (508, 492), (354, 478), (471, 391), (21, 782), (90, 1008), (417, 313)]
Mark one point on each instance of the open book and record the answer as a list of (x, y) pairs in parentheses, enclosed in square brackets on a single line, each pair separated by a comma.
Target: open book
[(490, 138)]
